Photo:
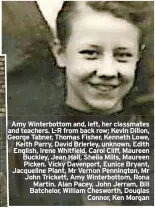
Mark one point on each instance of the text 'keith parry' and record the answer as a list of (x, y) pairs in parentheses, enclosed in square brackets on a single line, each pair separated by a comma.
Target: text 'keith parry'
[(34, 144)]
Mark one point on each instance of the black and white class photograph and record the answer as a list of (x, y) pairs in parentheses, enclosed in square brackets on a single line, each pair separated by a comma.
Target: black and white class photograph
[(82, 60), (3, 146)]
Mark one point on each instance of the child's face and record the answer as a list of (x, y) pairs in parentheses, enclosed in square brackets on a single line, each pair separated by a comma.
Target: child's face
[(100, 60)]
